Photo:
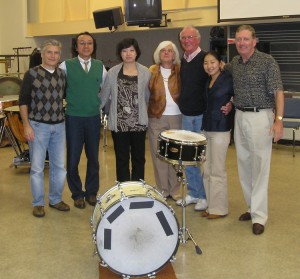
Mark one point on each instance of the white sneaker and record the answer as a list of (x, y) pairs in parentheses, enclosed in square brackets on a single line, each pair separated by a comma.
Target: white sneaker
[(201, 205), (188, 200)]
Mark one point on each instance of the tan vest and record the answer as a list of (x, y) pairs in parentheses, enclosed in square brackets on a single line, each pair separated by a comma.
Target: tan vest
[(157, 100)]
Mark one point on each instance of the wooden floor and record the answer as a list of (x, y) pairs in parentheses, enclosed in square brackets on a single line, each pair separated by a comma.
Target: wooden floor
[(166, 272), (61, 244)]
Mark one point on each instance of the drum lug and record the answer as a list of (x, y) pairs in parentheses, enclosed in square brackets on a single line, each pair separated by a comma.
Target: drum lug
[(173, 259), (167, 148), (91, 223), (123, 196), (102, 212), (95, 253), (196, 152), (144, 182), (202, 156), (94, 238), (150, 196), (172, 210), (152, 275), (102, 263)]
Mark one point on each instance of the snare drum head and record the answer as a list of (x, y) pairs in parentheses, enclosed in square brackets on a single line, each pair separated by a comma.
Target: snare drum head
[(12, 109), (184, 136), (137, 236)]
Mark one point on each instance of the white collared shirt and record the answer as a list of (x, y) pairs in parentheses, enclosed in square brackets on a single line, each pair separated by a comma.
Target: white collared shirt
[(64, 67), (190, 57)]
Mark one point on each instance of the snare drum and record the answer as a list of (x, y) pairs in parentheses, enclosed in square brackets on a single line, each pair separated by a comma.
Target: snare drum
[(135, 231), (180, 146)]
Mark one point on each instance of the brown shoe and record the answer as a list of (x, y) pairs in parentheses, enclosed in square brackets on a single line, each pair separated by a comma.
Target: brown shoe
[(258, 228), (215, 216), (245, 216), (38, 211), (91, 200), (79, 203), (204, 214), (61, 206)]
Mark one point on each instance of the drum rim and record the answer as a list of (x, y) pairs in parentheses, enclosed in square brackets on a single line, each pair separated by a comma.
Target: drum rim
[(12, 109), (184, 142), (11, 78)]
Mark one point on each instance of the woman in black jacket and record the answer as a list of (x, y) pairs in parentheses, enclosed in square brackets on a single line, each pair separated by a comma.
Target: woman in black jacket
[(216, 126)]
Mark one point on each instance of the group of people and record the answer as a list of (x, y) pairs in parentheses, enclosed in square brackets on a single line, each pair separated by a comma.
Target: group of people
[(48, 125), (195, 93)]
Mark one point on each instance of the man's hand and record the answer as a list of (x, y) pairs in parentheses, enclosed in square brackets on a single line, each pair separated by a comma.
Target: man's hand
[(277, 130), (227, 108), (29, 133)]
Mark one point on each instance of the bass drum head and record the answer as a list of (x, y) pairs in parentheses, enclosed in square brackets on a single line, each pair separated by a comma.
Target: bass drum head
[(137, 236), (10, 86)]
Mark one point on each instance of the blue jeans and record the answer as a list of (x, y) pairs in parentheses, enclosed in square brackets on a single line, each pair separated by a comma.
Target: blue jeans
[(193, 174), (49, 137)]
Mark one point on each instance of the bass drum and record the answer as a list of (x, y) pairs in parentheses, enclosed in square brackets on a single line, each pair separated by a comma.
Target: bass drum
[(135, 231)]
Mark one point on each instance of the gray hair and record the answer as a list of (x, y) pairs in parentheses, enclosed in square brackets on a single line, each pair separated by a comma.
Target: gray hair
[(163, 44), (50, 42), (192, 28)]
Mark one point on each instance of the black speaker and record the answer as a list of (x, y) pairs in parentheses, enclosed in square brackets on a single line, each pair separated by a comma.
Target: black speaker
[(111, 17)]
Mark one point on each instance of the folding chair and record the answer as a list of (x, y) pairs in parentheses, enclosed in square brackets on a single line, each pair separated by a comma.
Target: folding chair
[(292, 111)]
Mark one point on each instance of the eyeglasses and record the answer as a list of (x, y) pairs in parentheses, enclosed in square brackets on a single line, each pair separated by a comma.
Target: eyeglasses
[(183, 38), (167, 50), (85, 43)]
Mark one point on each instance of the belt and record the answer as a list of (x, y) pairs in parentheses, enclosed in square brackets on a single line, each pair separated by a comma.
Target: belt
[(251, 109)]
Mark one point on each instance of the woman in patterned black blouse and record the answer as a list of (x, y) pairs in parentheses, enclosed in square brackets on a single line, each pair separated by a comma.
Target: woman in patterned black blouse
[(126, 85)]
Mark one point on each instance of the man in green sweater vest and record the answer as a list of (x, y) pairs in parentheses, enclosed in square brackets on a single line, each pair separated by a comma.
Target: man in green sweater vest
[(85, 76)]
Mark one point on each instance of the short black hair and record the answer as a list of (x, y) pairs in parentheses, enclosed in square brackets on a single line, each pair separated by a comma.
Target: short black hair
[(74, 44), (126, 43), (214, 54)]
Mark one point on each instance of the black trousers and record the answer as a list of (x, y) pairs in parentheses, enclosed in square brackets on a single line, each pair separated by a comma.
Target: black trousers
[(83, 132), (129, 146)]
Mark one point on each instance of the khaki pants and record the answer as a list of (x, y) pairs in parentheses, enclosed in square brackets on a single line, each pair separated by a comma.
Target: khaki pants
[(254, 149), (165, 174), (214, 172)]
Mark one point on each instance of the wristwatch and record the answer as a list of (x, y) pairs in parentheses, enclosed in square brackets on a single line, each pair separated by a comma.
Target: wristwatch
[(279, 117)]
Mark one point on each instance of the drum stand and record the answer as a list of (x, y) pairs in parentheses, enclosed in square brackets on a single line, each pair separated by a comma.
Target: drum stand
[(185, 234)]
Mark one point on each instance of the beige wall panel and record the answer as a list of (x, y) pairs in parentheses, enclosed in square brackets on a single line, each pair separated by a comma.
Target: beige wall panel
[(76, 9), (101, 4), (183, 4), (197, 17), (51, 11)]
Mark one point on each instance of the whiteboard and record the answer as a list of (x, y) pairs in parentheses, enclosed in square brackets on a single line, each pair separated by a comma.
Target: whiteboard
[(230, 10)]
